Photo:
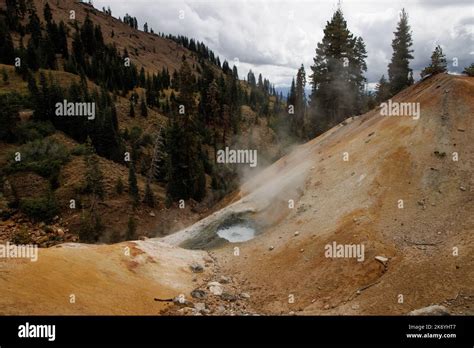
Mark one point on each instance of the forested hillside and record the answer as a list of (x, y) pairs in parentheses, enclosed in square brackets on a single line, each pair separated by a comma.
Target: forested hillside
[(163, 106)]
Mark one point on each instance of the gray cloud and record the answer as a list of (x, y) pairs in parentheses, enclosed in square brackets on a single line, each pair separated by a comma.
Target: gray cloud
[(275, 37)]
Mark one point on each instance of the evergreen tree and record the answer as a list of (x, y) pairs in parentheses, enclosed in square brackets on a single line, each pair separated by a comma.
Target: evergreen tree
[(337, 76), (469, 70), (132, 185), (291, 99), (149, 197), (251, 79), (9, 117), (12, 14), (438, 63), (32, 57), (131, 229), (78, 52), (382, 90), (297, 124), (105, 130), (357, 68), (34, 27), (88, 36), (143, 107), (399, 70), (91, 226), (7, 50), (5, 76), (94, 179), (62, 40), (48, 16)]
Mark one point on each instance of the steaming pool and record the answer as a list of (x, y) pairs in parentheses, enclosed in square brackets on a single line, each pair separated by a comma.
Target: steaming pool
[(236, 233), (234, 228)]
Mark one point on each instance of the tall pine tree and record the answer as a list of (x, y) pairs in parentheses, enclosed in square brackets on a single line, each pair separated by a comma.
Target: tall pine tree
[(399, 71), (337, 76)]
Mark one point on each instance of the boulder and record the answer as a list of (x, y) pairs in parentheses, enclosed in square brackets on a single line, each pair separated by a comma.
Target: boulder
[(215, 288), (196, 268), (200, 294), (430, 310)]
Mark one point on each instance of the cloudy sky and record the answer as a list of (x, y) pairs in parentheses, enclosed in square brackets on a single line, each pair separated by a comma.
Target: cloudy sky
[(274, 37)]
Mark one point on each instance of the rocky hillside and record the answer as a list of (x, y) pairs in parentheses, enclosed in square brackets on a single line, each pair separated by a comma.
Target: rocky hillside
[(391, 184)]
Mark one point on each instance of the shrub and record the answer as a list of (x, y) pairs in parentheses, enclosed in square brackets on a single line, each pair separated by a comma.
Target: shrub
[(80, 150), (21, 237), (44, 157), (10, 104), (32, 130), (91, 227), (469, 70), (40, 209)]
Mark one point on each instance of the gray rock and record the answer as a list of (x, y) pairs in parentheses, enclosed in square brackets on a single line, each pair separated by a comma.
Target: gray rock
[(383, 260), (196, 268), (201, 294), (430, 310), (228, 297), (199, 306), (245, 295), (224, 280), (215, 288)]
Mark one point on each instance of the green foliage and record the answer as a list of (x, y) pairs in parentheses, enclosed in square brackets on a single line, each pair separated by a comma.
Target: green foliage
[(7, 50), (91, 227), (44, 157), (40, 209), (80, 150), (149, 198), (131, 112), (131, 229), (224, 180), (9, 119), (438, 63), (185, 169), (21, 237), (133, 186), (469, 70), (297, 120), (399, 71), (337, 79), (382, 90), (102, 130), (143, 108), (5, 76), (94, 179), (33, 130)]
